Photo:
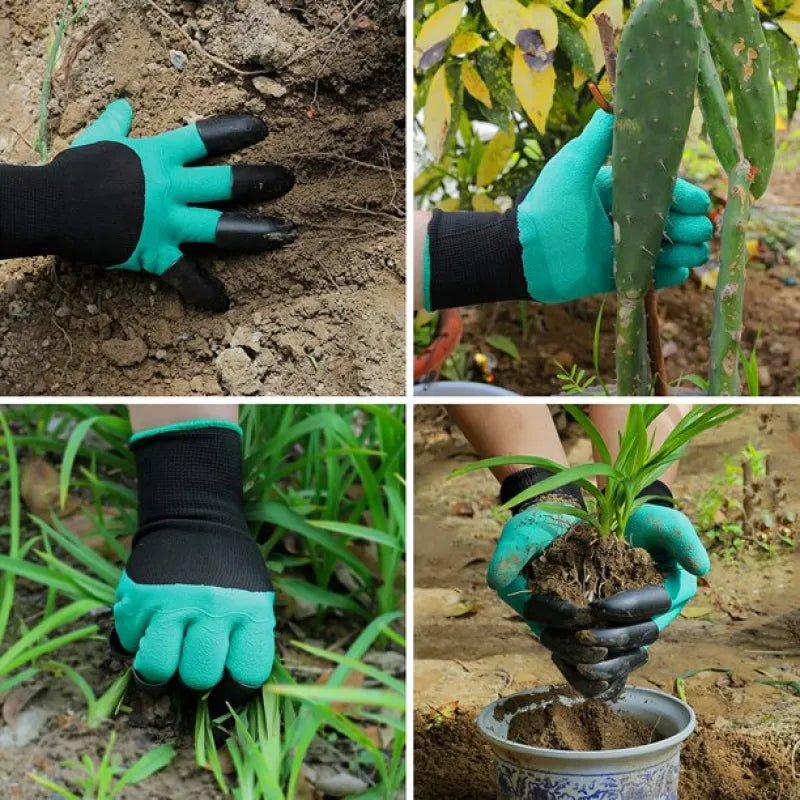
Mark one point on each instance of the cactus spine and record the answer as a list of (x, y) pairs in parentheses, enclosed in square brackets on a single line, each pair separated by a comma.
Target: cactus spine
[(657, 68), (739, 47), (727, 331)]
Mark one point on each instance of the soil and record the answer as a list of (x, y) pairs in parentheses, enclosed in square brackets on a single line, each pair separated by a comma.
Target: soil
[(324, 316), (745, 613), (592, 725), (581, 567)]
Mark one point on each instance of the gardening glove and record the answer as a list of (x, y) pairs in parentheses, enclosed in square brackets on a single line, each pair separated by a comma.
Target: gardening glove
[(556, 243), (195, 599), (132, 203)]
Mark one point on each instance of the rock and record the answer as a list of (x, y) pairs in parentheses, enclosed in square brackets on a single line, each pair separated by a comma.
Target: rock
[(764, 377), (178, 59), (247, 337), (268, 87), (292, 344), (91, 308), (124, 352), (62, 311), (341, 785), (236, 372)]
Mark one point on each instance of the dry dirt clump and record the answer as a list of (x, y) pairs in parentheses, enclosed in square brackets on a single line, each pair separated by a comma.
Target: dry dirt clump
[(322, 316), (581, 566)]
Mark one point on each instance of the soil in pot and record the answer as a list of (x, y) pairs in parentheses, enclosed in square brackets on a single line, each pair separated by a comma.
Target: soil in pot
[(590, 725), (581, 566)]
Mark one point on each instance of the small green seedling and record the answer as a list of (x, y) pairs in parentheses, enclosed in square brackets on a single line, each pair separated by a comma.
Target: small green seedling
[(106, 780), (637, 465)]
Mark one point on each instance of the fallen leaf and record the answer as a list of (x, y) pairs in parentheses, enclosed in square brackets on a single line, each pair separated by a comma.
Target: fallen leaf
[(460, 610), (353, 679), (16, 700), (462, 509), (694, 612), (442, 714), (39, 489)]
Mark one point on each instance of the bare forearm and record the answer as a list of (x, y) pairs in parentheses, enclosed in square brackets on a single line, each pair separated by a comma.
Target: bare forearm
[(506, 430), (146, 417)]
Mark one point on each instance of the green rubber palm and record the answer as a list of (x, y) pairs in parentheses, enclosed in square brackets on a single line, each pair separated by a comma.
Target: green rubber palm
[(174, 192), (565, 228), (665, 533)]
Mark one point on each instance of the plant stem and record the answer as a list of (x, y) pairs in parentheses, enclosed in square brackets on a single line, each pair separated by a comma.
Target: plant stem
[(726, 333), (657, 366), (631, 377)]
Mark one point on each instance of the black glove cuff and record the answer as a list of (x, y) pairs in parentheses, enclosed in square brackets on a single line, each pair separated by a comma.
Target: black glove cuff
[(192, 527), (87, 204), (475, 257), (517, 482), (660, 489)]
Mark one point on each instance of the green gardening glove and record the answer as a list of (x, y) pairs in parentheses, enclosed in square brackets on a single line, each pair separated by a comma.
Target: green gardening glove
[(556, 243), (130, 203), (195, 601), (597, 646)]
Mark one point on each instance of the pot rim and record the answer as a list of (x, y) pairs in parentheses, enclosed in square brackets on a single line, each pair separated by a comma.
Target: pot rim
[(590, 755)]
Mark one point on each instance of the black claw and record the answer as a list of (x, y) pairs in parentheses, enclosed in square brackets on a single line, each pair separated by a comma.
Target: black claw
[(586, 687), (230, 691), (625, 637), (230, 132), (613, 668), (116, 645), (253, 234), (632, 605), (197, 286), (152, 689), (252, 182), (567, 647), (556, 613)]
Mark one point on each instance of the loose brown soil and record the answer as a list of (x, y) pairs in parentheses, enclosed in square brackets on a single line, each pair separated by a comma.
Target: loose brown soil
[(581, 566), (322, 316), (726, 765), (452, 761), (592, 725)]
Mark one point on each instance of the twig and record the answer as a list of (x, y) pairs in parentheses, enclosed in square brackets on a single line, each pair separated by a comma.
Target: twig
[(64, 73), (656, 356), (339, 156), (792, 756), (310, 49), (200, 49), (599, 99)]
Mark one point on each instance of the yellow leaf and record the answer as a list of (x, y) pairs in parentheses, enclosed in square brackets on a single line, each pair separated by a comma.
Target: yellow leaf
[(449, 204), (465, 43), (752, 247), (474, 84), (436, 31), (579, 77), (482, 202), (534, 88), (790, 22), (510, 18), (592, 36), (695, 612), (495, 157), (437, 114)]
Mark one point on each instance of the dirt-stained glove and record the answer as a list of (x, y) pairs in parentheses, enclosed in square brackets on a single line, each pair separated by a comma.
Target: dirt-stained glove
[(131, 203), (597, 646), (195, 599)]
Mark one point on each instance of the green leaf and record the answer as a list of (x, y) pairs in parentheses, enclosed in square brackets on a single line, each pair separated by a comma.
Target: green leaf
[(782, 58), (503, 344), (71, 451), (574, 46), (569, 475), (147, 765)]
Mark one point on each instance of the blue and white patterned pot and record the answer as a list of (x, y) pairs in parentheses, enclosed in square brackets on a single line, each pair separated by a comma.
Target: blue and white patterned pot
[(648, 772)]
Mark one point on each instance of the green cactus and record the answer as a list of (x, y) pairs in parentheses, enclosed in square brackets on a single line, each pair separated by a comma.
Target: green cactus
[(737, 42), (657, 68), (716, 113), (729, 292)]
